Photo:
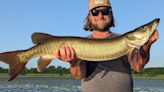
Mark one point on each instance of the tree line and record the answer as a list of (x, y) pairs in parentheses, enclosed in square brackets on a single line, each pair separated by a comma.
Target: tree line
[(50, 70), (62, 70), (151, 70)]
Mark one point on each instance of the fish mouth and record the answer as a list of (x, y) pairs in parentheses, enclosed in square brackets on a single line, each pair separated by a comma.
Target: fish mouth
[(157, 20), (154, 24)]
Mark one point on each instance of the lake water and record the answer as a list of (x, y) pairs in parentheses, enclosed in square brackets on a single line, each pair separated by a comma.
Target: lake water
[(49, 84)]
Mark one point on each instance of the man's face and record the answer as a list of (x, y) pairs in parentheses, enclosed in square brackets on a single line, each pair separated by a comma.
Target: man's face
[(100, 18)]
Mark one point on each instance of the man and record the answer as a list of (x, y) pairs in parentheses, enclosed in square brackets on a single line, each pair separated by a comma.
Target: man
[(112, 76)]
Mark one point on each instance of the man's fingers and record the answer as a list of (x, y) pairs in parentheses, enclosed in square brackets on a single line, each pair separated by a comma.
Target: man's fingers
[(72, 52), (63, 53), (57, 54), (68, 53), (154, 36)]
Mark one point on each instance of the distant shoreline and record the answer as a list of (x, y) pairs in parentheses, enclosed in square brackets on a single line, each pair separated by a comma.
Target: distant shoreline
[(40, 75), (161, 76)]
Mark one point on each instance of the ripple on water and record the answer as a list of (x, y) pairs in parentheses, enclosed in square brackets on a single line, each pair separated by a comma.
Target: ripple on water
[(67, 85), (37, 88), (148, 90)]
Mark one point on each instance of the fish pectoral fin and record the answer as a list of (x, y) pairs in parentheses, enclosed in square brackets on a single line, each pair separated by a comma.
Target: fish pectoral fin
[(131, 55), (38, 38), (43, 63)]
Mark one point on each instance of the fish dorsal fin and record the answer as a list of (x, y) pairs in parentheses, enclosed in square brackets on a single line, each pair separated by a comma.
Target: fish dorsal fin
[(38, 38), (43, 63)]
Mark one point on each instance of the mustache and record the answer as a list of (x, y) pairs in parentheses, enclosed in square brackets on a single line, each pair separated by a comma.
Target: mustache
[(101, 19)]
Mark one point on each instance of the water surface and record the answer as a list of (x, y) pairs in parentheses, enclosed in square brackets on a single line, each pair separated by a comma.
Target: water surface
[(49, 84)]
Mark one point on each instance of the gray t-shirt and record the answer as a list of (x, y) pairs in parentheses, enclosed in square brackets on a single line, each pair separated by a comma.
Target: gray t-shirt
[(112, 76)]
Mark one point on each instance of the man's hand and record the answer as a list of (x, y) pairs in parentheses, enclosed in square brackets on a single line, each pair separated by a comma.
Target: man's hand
[(141, 57), (65, 53), (153, 38)]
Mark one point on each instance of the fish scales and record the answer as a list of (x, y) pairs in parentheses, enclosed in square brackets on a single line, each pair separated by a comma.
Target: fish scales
[(93, 50)]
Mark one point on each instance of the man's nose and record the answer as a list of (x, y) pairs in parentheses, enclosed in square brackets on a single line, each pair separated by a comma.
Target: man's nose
[(100, 15)]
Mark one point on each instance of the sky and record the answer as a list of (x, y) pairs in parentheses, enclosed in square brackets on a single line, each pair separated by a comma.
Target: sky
[(20, 18)]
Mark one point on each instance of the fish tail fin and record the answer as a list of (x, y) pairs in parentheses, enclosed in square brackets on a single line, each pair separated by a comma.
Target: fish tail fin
[(16, 66)]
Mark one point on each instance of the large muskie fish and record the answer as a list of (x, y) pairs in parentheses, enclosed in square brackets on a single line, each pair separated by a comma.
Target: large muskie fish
[(85, 49)]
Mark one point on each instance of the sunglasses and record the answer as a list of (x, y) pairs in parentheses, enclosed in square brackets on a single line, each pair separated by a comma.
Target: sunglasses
[(103, 11)]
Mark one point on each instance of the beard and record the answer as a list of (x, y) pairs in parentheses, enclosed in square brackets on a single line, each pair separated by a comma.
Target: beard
[(106, 25)]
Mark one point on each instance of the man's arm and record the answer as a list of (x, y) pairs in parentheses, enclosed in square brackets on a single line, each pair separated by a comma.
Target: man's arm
[(78, 70), (67, 54), (142, 56)]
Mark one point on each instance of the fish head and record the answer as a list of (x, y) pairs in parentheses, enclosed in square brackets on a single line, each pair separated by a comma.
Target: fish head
[(141, 35)]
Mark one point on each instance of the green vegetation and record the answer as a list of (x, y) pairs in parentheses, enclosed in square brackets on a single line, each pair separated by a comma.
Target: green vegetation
[(52, 71), (148, 76), (153, 72)]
